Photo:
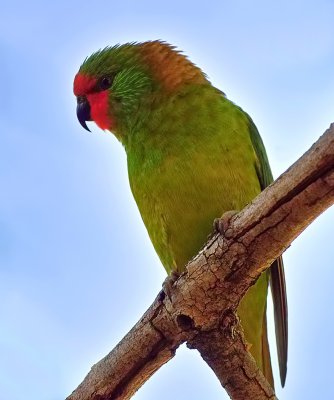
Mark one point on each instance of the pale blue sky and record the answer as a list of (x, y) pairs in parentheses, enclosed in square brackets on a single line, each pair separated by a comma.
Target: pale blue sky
[(77, 268)]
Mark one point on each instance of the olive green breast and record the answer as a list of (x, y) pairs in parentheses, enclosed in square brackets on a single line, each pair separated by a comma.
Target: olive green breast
[(193, 161)]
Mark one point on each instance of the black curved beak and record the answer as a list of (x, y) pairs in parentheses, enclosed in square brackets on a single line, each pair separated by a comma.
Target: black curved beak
[(83, 111)]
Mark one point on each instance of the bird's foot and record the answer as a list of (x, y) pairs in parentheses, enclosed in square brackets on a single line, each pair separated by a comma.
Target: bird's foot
[(221, 225), (169, 282)]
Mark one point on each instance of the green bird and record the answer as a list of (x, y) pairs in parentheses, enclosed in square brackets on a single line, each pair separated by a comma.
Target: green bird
[(192, 155)]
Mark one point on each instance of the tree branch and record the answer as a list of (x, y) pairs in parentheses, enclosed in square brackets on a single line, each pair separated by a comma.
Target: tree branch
[(202, 304)]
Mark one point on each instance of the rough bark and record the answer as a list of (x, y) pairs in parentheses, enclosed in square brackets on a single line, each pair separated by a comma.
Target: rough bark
[(201, 306), (238, 372)]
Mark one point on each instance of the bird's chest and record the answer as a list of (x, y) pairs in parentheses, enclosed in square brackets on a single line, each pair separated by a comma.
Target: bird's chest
[(179, 191), (160, 187)]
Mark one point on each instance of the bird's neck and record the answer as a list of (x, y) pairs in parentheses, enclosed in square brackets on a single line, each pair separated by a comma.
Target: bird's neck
[(171, 124), (162, 117)]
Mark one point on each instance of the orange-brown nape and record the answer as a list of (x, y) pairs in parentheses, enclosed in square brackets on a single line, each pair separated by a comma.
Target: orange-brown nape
[(171, 68)]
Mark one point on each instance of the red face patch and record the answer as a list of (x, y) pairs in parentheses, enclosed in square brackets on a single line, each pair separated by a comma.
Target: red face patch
[(83, 84), (99, 109), (98, 100)]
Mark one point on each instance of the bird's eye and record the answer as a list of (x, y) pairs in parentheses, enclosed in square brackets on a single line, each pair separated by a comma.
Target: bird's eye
[(105, 83)]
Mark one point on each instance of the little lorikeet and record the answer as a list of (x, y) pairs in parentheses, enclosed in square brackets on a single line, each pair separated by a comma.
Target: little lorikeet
[(192, 155)]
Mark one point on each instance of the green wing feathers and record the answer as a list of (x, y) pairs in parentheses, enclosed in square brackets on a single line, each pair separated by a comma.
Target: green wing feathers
[(266, 363), (277, 276)]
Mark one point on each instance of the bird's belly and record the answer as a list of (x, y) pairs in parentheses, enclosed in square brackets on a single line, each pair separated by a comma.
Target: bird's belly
[(178, 208), (179, 204)]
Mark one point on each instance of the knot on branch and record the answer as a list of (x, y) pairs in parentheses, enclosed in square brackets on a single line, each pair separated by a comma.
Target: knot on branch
[(228, 323), (185, 322)]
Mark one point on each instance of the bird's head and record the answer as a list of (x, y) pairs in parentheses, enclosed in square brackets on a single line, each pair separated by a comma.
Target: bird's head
[(116, 86)]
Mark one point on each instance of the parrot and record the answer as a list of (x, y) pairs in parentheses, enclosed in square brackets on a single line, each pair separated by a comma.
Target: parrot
[(192, 156)]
